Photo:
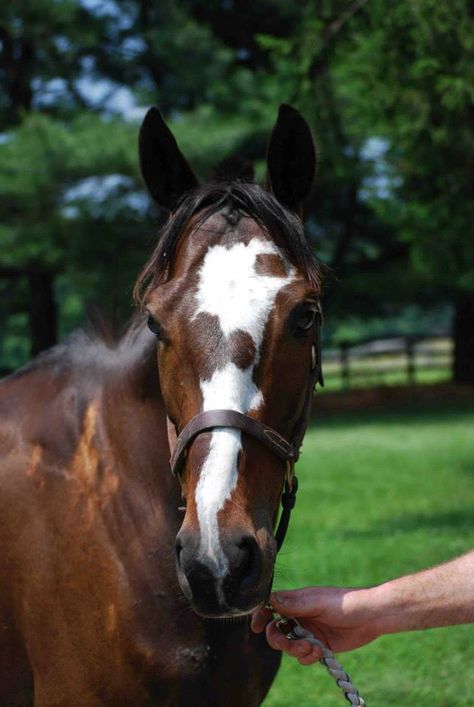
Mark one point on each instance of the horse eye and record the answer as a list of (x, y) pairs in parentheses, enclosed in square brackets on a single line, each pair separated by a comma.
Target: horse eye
[(305, 319), (154, 326)]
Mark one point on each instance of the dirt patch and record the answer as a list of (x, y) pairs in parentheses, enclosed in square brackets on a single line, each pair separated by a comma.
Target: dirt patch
[(386, 397)]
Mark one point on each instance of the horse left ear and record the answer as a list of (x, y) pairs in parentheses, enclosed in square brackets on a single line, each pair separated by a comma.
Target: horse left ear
[(291, 158), (165, 171)]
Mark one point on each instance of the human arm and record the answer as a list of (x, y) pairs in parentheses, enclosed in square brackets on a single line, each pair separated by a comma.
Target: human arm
[(345, 618)]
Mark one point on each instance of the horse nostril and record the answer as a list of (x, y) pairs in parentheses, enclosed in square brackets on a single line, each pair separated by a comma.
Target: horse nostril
[(246, 560), (245, 555)]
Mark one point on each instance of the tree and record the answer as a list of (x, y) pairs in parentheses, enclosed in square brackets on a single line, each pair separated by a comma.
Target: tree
[(407, 78), (44, 48), (390, 89), (70, 199)]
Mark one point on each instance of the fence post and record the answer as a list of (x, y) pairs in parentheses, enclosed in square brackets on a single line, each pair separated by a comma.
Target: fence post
[(344, 359), (410, 352)]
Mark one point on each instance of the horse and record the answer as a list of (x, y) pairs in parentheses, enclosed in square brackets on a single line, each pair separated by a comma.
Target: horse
[(122, 583)]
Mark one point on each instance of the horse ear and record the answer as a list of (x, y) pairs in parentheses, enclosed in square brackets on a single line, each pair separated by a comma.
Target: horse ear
[(165, 171), (291, 158)]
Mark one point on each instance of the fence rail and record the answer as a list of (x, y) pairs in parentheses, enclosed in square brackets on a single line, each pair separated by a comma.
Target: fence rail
[(394, 360)]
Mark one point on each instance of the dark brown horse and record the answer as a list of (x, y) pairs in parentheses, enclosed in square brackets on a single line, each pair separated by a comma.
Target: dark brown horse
[(111, 594)]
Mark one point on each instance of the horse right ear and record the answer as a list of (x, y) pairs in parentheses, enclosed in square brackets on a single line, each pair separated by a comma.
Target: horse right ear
[(291, 158), (165, 171)]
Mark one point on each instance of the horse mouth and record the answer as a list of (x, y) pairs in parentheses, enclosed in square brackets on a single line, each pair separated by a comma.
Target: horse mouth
[(225, 613), (229, 615), (217, 599)]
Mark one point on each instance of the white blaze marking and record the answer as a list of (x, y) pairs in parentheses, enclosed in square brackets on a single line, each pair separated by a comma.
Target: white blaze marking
[(231, 289)]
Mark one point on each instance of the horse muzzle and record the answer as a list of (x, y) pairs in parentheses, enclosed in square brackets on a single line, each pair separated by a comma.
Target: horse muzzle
[(231, 583)]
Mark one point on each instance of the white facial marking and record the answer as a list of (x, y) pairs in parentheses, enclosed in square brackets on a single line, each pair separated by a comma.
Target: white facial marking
[(242, 299), (231, 288)]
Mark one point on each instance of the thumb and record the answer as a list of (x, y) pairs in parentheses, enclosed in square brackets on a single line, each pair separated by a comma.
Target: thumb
[(298, 602)]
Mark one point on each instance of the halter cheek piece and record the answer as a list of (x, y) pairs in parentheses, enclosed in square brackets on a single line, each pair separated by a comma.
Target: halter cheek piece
[(286, 451)]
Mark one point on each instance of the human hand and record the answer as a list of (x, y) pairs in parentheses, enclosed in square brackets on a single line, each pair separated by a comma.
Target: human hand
[(342, 618)]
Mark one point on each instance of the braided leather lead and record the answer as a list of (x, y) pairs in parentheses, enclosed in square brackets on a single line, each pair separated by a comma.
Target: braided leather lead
[(329, 661)]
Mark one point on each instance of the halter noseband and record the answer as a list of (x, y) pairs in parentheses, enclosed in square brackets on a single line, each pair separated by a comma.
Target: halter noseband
[(286, 451)]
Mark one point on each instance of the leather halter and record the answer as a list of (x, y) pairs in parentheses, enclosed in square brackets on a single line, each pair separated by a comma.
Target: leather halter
[(211, 419), (287, 451)]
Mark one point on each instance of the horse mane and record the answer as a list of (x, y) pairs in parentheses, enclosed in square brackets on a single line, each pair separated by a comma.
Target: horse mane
[(94, 348), (250, 200)]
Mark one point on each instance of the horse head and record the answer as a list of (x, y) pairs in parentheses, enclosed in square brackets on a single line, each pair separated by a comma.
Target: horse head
[(232, 296)]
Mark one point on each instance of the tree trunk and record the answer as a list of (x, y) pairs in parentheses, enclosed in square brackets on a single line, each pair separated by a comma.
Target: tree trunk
[(42, 310), (464, 339)]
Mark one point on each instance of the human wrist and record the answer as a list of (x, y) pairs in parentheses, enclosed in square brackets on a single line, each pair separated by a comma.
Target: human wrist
[(398, 607), (366, 607), (380, 608)]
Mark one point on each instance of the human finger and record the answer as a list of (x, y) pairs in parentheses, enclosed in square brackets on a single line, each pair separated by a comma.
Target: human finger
[(297, 602), (297, 649), (260, 619), (312, 656)]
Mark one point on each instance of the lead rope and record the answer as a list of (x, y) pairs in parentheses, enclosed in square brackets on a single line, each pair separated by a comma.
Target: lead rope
[(293, 630)]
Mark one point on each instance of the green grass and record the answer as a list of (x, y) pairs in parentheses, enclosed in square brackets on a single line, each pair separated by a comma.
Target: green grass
[(379, 497)]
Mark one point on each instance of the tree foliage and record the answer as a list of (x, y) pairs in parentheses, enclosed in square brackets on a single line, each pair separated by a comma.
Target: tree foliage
[(416, 59)]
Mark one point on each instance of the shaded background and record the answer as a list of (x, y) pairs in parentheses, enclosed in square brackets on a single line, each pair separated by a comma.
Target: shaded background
[(386, 86)]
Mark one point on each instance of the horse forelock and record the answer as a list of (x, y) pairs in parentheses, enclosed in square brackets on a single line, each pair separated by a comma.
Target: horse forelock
[(233, 199)]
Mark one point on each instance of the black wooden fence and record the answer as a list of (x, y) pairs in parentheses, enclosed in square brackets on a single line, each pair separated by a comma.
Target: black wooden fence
[(394, 360)]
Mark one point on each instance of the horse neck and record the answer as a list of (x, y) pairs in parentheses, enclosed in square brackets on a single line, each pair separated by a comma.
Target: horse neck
[(133, 503), (134, 422)]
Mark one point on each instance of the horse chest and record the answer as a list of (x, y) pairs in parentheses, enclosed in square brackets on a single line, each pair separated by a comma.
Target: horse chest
[(212, 666)]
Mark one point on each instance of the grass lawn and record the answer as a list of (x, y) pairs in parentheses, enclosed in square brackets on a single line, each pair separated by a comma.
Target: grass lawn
[(381, 496)]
